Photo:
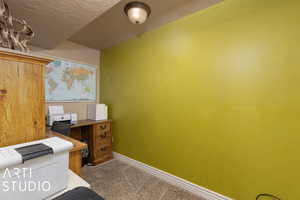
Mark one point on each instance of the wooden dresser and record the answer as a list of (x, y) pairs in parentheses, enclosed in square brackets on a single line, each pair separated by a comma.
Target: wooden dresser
[(22, 99)]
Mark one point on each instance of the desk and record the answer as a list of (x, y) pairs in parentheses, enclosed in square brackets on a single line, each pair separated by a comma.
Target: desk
[(88, 122), (75, 153), (98, 135)]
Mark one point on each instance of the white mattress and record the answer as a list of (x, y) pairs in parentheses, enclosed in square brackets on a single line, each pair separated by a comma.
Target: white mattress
[(73, 182)]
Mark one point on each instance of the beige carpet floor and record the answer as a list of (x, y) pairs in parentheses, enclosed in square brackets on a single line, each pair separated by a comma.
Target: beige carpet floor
[(115, 180)]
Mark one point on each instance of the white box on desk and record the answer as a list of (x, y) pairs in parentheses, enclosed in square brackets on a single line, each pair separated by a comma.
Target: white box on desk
[(97, 112)]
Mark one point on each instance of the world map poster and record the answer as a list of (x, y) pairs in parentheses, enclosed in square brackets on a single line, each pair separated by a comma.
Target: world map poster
[(68, 81)]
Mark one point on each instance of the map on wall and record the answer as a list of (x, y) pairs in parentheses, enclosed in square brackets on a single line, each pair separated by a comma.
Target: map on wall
[(67, 81)]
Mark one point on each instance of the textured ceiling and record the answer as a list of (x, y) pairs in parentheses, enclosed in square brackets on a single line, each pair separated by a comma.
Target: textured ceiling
[(56, 20), (113, 27)]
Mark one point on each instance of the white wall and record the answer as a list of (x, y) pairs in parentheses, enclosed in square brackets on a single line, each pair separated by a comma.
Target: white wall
[(76, 53)]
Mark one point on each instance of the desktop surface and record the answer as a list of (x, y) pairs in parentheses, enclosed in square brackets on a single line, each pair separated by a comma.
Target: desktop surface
[(86, 122)]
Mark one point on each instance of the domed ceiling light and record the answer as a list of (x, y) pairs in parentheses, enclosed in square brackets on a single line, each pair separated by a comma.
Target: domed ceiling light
[(137, 12)]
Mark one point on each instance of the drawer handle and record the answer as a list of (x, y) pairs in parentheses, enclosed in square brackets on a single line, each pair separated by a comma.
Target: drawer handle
[(103, 148), (103, 127), (104, 135), (3, 92)]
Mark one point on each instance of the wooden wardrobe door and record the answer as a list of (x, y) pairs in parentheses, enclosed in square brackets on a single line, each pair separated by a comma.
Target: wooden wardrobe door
[(22, 111)]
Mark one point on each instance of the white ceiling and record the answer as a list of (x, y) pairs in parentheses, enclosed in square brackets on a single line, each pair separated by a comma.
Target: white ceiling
[(113, 27), (54, 21), (96, 24)]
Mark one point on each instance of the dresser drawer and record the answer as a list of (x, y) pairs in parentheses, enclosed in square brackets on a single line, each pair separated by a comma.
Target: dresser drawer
[(103, 127), (102, 134), (103, 150), (103, 142)]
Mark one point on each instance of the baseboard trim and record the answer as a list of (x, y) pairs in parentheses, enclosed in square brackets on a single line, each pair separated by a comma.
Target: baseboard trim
[(189, 186)]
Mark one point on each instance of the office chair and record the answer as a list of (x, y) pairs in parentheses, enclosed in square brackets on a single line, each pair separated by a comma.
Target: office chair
[(62, 128), (65, 129)]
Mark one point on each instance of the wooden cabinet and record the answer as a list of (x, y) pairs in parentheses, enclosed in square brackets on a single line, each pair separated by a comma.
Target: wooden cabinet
[(101, 144), (22, 99)]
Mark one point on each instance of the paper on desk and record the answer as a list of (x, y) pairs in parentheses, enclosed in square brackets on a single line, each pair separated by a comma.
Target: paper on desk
[(54, 110)]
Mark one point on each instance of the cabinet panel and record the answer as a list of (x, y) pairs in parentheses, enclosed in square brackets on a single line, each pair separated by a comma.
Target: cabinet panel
[(103, 158), (22, 111)]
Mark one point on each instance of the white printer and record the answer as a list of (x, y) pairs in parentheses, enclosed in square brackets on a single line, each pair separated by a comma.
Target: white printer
[(34, 177), (56, 113)]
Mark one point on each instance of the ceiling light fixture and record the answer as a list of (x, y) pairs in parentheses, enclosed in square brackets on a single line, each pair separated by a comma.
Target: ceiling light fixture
[(137, 12)]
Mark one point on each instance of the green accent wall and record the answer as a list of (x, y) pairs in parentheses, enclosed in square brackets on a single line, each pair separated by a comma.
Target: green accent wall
[(213, 98)]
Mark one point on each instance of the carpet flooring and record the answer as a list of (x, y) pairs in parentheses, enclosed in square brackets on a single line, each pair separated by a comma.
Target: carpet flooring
[(116, 180)]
